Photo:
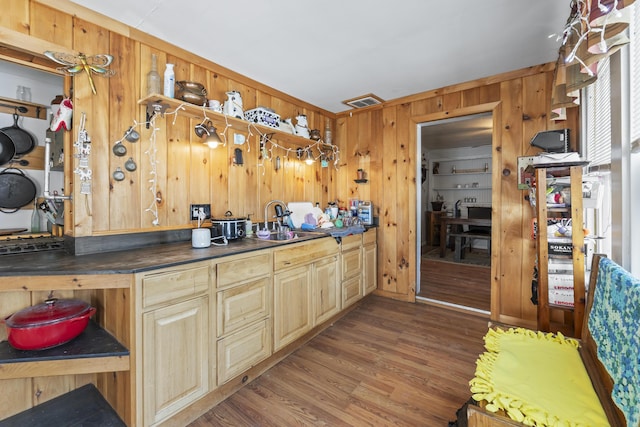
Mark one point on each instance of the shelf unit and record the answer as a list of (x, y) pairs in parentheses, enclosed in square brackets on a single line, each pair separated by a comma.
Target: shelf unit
[(574, 211), (219, 120), (23, 108), (470, 183)]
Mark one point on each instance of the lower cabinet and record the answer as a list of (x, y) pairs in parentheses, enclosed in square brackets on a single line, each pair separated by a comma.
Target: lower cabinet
[(175, 357), (351, 261), (370, 262), (326, 289), (291, 305)]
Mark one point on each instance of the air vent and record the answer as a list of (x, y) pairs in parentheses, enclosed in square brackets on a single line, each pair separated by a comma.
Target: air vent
[(363, 101)]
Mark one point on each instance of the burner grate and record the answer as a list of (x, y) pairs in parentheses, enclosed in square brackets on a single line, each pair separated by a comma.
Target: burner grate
[(30, 244)]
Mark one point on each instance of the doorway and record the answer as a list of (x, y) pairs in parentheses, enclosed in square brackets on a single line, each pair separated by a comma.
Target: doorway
[(456, 175)]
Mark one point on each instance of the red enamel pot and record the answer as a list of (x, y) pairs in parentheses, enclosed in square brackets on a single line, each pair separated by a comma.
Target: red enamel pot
[(49, 324)]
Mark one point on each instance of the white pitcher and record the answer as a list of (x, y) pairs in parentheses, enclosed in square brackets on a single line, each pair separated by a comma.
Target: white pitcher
[(233, 105)]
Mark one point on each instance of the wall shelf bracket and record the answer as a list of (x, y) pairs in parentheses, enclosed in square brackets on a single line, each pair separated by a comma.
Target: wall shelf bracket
[(155, 107)]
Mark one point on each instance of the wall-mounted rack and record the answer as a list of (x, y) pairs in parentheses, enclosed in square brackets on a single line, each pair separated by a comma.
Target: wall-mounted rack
[(23, 108)]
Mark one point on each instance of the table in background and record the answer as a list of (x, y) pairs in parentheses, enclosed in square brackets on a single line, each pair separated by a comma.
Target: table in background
[(446, 221), (433, 227)]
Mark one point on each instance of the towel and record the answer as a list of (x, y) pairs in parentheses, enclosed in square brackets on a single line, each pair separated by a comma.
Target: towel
[(537, 378), (614, 323)]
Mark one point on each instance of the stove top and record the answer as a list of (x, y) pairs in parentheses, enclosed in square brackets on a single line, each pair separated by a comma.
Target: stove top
[(26, 244)]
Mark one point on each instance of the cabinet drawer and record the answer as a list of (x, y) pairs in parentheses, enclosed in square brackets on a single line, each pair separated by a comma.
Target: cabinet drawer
[(369, 237), (304, 253), (351, 263), (351, 242), (245, 267), (351, 291), (242, 350), (241, 305), (171, 284)]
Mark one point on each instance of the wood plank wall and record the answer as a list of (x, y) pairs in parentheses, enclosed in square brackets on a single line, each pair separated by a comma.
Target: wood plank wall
[(381, 140), (186, 171), (520, 103)]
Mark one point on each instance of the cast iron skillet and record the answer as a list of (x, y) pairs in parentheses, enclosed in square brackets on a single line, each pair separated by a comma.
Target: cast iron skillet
[(16, 190), (23, 140), (7, 148)]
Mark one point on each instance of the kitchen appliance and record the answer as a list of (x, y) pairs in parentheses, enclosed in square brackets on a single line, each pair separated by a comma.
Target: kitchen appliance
[(365, 212), (230, 227), (48, 324), (201, 237)]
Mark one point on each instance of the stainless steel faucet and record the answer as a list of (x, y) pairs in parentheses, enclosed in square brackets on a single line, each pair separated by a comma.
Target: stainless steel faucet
[(266, 211)]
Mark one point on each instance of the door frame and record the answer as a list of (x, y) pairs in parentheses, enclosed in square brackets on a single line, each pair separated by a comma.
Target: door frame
[(495, 108)]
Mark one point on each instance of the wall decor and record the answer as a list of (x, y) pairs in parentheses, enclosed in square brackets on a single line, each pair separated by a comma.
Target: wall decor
[(74, 64)]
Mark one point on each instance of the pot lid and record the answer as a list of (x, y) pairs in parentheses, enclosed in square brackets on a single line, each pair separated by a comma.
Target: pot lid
[(228, 216), (51, 311)]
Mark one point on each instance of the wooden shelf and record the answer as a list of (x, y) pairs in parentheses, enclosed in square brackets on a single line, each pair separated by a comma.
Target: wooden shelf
[(36, 111), (220, 121), (462, 188), (94, 350)]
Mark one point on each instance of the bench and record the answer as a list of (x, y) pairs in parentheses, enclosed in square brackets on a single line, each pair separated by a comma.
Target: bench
[(612, 318)]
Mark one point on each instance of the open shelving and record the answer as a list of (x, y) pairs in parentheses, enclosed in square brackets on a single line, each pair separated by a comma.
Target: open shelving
[(219, 120)]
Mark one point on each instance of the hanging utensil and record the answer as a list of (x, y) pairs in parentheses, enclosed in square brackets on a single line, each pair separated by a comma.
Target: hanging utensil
[(16, 190), (24, 142), (7, 148)]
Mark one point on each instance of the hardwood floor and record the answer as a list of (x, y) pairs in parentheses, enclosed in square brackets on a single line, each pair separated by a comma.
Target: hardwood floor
[(387, 363), (454, 283)]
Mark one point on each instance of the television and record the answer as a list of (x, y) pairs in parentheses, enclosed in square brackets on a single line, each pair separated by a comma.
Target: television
[(552, 141)]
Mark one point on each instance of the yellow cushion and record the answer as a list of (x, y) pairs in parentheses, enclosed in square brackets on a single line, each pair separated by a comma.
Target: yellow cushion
[(537, 378)]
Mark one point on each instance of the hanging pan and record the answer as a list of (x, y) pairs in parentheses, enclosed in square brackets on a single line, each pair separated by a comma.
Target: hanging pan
[(16, 190), (22, 139), (7, 148)]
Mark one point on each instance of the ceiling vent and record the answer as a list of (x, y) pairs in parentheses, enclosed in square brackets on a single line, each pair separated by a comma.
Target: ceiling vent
[(363, 101)]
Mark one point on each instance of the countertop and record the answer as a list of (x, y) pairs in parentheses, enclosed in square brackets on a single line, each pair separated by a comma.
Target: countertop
[(48, 263)]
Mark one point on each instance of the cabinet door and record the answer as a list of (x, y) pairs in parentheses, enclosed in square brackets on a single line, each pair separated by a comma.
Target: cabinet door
[(291, 305), (351, 290), (326, 282), (242, 305), (351, 263), (243, 349), (175, 356), (370, 269)]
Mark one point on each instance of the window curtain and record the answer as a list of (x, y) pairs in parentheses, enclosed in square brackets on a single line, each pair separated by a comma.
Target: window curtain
[(595, 29)]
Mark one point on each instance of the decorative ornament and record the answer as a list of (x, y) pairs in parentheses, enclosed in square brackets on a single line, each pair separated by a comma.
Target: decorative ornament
[(74, 64)]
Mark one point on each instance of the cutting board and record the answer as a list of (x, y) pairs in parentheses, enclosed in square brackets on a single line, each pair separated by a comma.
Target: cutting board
[(298, 211)]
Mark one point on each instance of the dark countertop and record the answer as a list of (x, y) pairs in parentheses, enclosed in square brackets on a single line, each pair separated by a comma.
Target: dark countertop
[(49, 263)]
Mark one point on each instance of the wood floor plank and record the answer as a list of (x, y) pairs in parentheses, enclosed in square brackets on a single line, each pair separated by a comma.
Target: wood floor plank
[(386, 363)]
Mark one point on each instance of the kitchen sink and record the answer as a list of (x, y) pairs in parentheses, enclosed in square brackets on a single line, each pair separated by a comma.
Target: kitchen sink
[(274, 237)]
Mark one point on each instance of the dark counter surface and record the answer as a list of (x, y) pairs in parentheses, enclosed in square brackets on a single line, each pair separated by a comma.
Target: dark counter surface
[(48, 263)]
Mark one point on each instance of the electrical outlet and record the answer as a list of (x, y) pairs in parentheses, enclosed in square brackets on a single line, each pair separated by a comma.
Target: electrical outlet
[(195, 209)]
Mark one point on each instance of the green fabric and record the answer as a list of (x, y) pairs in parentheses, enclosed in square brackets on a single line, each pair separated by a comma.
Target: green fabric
[(537, 378)]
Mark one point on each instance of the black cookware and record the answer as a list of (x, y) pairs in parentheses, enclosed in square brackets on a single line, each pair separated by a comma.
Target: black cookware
[(229, 226), (7, 148), (24, 142), (16, 190)]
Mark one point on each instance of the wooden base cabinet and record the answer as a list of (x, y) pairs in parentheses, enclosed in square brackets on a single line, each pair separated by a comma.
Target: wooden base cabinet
[(291, 305), (351, 262), (175, 357), (243, 311), (175, 367), (326, 289), (370, 262)]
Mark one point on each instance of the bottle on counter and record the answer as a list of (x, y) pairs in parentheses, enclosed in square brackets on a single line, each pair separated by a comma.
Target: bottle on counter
[(153, 78), (169, 82)]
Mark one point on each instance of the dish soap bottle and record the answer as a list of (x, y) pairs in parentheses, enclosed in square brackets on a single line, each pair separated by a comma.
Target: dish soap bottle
[(153, 78), (169, 82)]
